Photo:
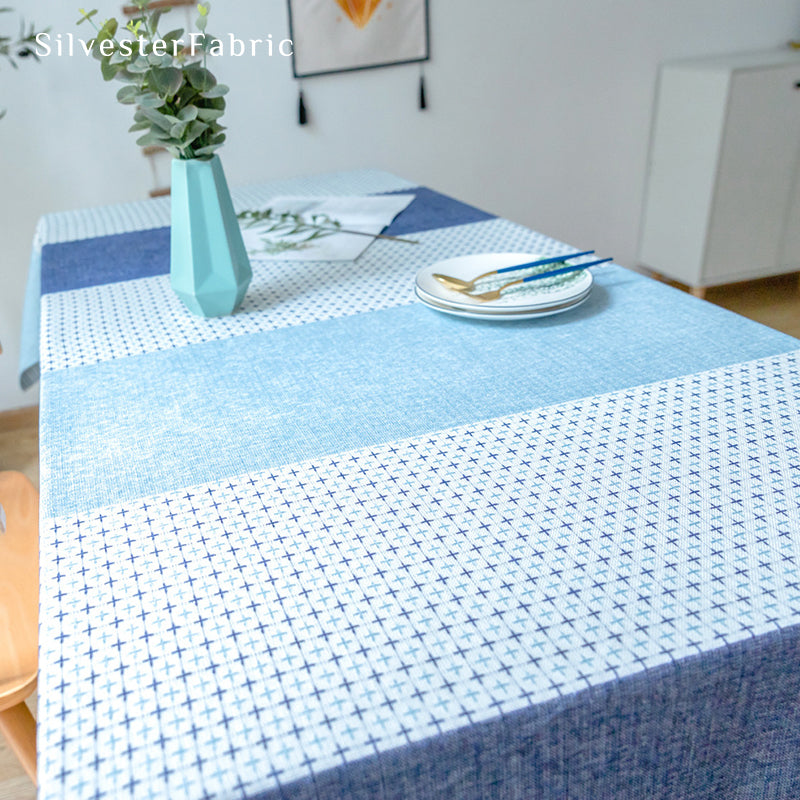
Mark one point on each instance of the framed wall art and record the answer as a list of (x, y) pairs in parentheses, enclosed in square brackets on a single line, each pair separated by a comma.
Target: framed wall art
[(333, 36)]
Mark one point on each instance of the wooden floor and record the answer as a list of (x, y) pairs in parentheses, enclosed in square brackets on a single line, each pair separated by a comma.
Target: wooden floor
[(773, 301)]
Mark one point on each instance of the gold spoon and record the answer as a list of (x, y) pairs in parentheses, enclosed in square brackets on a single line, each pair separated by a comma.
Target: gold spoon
[(485, 297), (467, 286)]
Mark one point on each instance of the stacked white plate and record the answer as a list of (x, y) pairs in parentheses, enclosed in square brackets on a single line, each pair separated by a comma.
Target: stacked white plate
[(538, 298)]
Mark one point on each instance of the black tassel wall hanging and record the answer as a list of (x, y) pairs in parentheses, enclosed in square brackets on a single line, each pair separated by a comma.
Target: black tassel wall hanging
[(388, 34), (302, 114), (361, 35)]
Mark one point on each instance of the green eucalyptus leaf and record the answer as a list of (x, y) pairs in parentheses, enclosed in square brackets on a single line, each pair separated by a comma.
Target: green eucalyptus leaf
[(118, 58), (165, 81), (149, 100), (108, 70), (187, 95), (164, 60), (139, 126), (85, 17), (134, 25), (177, 130), (206, 151), (209, 114), (174, 35), (157, 118), (200, 77), (127, 95), (217, 91), (150, 139), (195, 130), (108, 31), (212, 102), (127, 77), (188, 113), (139, 64)]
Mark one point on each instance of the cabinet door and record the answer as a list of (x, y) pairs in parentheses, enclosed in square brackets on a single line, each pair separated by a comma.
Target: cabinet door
[(790, 251), (755, 178)]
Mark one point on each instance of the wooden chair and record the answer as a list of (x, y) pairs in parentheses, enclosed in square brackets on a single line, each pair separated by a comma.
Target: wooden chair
[(19, 612)]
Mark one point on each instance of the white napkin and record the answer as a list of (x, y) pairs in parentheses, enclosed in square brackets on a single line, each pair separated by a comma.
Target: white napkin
[(306, 228)]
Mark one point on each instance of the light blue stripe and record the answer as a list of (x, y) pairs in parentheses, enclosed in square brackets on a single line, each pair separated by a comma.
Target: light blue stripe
[(29, 334), (121, 430)]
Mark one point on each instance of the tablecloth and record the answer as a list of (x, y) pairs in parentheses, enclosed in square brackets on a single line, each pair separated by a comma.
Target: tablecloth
[(340, 545)]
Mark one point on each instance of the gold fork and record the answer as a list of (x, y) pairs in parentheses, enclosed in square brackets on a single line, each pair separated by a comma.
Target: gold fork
[(467, 286), (485, 297)]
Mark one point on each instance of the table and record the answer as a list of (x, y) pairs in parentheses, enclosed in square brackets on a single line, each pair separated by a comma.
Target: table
[(341, 545)]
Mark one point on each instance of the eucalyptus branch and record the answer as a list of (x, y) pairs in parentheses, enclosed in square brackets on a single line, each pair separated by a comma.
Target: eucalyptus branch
[(20, 47), (293, 224), (178, 100), (288, 223)]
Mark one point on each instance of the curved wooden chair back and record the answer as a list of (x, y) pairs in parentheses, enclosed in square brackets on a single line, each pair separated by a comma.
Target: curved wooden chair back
[(19, 613)]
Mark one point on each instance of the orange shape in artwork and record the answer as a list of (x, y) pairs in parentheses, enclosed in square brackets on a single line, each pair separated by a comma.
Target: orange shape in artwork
[(359, 11)]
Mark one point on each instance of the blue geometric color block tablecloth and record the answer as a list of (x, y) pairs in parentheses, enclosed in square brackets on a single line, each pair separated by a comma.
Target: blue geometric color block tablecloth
[(340, 545)]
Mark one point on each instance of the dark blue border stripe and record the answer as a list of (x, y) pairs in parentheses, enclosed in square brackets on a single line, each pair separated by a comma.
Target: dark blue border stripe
[(105, 259), (431, 210), (142, 254), (708, 726)]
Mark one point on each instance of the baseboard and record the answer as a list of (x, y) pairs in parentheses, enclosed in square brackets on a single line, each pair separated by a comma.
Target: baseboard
[(17, 418)]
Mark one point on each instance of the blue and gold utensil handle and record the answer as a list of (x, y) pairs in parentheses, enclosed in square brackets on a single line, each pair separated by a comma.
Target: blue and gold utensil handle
[(564, 270), (540, 262)]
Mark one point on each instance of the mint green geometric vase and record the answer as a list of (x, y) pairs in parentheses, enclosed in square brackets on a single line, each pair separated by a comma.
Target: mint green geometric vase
[(209, 268)]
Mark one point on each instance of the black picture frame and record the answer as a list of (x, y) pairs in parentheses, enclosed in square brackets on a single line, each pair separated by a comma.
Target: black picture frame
[(361, 67)]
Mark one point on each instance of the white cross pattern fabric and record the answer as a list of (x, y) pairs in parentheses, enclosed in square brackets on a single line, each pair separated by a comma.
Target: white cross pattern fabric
[(241, 635)]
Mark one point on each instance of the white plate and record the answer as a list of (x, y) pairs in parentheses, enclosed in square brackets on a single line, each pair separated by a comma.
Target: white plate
[(548, 293), (492, 310), (498, 315)]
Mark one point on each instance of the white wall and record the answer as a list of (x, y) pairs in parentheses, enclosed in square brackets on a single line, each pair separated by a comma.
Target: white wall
[(539, 110)]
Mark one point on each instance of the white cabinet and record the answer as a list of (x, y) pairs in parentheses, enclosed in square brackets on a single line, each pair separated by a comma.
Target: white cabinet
[(722, 201)]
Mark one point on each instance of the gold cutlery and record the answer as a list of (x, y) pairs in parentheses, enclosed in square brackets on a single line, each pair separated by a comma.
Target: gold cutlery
[(460, 285), (495, 294)]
